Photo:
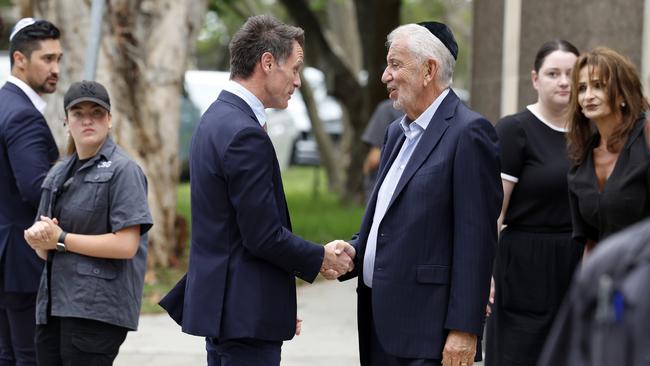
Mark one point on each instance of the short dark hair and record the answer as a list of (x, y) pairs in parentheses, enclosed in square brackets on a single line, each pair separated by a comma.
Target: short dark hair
[(550, 47), (28, 39), (261, 33)]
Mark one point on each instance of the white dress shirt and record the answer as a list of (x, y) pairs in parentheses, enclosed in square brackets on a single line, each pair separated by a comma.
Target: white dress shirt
[(250, 99), (36, 99)]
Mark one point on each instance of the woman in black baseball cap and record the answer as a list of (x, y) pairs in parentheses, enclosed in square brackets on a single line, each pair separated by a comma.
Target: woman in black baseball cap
[(92, 233)]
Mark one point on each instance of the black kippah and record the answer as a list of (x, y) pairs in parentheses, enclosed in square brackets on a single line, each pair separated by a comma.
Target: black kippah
[(443, 33)]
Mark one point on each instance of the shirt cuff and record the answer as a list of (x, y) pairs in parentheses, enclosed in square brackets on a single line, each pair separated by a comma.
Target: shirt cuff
[(509, 178)]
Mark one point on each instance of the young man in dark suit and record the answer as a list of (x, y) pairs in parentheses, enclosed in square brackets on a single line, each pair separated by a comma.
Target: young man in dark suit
[(428, 237), (27, 151), (240, 291)]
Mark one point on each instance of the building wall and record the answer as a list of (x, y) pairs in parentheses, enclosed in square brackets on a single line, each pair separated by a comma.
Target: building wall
[(585, 23), (487, 48)]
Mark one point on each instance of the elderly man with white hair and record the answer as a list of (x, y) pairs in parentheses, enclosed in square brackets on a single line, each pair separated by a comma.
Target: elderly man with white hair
[(428, 238)]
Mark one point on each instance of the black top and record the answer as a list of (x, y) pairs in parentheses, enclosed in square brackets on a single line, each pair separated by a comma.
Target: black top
[(626, 195), (533, 155)]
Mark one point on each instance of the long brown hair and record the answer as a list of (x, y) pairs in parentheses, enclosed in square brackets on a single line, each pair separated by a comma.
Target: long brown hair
[(621, 80)]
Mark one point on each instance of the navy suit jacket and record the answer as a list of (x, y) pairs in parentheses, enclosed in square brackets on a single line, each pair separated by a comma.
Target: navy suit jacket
[(243, 258), (27, 151), (437, 240)]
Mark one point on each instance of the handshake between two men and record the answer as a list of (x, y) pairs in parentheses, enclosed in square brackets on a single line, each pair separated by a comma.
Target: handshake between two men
[(338, 259)]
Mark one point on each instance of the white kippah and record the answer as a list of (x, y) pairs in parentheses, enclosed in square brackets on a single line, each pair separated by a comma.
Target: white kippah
[(25, 22)]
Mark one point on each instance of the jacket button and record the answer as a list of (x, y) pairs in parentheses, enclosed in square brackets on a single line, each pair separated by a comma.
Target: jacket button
[(96, 270), (381, 234)]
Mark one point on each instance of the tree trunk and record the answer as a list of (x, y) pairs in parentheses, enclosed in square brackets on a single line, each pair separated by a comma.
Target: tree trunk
[(375, 19), (329, 157), (144, 52)]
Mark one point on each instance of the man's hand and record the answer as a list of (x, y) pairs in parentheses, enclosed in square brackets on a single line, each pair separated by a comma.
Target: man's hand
[(338, 259), (488, 307), (460, 349)]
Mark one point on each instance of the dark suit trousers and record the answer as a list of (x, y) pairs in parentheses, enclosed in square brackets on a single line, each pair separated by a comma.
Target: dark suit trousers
[(243, 352), (371, 351), (78, 342), (17, 324)]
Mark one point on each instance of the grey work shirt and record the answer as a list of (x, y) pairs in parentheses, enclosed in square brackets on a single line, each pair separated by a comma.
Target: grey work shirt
[(107, 194)]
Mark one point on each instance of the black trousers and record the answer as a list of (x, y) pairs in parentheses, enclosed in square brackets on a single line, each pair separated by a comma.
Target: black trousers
[(77, 342), (17, 328), (371, 351), (243, 352)]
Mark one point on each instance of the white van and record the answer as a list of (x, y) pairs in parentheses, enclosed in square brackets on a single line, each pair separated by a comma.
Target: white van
[(5, 70)]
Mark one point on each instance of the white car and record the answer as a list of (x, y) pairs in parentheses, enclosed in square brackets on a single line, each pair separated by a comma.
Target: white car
[(5, 70), (305, 149)]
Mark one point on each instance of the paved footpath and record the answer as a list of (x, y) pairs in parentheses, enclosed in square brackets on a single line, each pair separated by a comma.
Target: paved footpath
[(329, 333)]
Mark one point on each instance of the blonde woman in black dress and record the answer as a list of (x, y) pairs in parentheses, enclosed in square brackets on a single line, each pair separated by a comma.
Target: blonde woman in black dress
[(536, 256)]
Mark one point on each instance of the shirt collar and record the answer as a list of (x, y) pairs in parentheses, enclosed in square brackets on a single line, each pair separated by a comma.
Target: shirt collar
[(36, 99), (104, 153), (250, 99), (414, 129), (535, 112), (107, 148)]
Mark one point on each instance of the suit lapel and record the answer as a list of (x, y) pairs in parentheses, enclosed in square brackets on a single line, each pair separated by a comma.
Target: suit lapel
[(13, 88), (393, 155), (228, 97), (394, 144), (429, 140)]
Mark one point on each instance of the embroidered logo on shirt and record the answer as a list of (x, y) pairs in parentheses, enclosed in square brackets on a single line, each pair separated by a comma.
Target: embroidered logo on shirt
[(104, 164)]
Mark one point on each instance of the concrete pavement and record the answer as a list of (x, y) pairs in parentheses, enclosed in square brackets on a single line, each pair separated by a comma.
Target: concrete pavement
[(329, 334)]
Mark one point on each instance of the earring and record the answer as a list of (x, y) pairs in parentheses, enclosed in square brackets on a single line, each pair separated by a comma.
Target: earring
[(622, 104)]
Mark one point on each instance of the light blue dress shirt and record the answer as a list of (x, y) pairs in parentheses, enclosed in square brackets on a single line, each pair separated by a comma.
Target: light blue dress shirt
[(413, 132)]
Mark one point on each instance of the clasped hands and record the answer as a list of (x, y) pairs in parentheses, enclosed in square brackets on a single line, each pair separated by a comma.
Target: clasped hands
[(338, 259), (43, 234)]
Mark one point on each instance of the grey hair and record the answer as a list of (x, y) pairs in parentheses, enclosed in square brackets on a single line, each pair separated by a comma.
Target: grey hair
[(424, 46)]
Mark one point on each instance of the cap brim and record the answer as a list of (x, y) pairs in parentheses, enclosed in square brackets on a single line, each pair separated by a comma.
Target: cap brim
[(98, 101)]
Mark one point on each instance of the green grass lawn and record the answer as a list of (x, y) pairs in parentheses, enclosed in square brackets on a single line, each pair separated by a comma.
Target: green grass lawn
[(316, 215)]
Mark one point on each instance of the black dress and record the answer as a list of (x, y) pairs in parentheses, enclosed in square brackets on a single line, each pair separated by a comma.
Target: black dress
[(536, 256), (625, 198)]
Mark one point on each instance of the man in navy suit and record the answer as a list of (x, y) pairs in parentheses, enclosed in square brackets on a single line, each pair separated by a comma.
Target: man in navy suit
[(428, 237), (27, 151), (239, 291)]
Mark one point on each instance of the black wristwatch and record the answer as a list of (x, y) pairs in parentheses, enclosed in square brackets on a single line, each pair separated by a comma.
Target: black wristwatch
[(60, 245)]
